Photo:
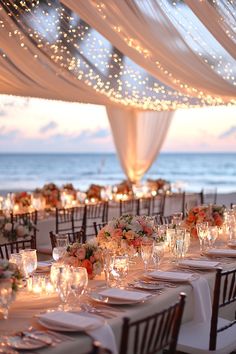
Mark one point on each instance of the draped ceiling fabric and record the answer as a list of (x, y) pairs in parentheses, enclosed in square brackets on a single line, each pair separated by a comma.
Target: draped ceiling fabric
[(140, 58), (138, 137)]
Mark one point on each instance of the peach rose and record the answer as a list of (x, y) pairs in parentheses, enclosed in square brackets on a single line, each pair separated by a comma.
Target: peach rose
[(117, 233), (130, 235), (88, 265)]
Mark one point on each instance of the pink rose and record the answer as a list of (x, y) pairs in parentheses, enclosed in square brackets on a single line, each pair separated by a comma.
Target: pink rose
[(130, 235), (81, 253)]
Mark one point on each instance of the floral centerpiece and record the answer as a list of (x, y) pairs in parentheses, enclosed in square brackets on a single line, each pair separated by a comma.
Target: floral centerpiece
[(126, 232), (87, 255), (23, 200), (17, 230), (69, 189), (51, 193), (94, 192), (213, 214), (9, 272)]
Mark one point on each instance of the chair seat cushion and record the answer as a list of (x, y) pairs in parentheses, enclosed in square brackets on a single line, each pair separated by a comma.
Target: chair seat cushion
[(194, 338)]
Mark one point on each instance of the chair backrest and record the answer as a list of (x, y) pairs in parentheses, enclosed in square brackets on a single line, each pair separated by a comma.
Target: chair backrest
[(174, 203), (30, 218), (98, 226), (6, 249), (77, 236), (130, 206), (153, 333), (64, 217), (144, 206), (209, 196), (95, 213), (224, 294), (157, 205), (78, 217)]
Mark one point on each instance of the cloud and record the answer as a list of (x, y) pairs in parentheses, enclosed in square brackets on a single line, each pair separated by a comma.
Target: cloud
[(101, 133), (229, 132), (8, 135), (50, 126)]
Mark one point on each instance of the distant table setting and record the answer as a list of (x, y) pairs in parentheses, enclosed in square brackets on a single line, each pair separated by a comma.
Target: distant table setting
[(83, 295)]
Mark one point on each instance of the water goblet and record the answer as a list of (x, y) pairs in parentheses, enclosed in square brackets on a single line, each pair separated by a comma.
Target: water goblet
[(120, 267), (79, 282), (158, 253), (177, 218), (202, 232), (16, 258), (146, 251), (29, 260)]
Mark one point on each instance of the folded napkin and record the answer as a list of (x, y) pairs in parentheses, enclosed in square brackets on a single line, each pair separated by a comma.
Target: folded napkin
[(70, 320), (122, 294), (224, 252), (199, 263), (92, 325), (172, 276), (202, 300)]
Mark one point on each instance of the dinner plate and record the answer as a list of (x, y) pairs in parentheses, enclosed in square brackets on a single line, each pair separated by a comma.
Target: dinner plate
[(97, 322), (112, 301), (25, 343)]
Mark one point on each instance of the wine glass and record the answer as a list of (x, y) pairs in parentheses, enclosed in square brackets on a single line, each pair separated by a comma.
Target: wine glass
[(16, 258), (62, 242), (120, 267), (146, 251), (29, 260), (63, 284), (79, 282), (177, 218), (202, 232), (158, 253)]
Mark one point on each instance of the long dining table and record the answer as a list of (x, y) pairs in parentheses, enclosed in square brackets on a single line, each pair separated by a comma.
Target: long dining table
[(24, 310)]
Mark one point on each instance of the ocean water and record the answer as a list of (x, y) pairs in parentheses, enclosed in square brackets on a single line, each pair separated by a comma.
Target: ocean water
[(189, 171)]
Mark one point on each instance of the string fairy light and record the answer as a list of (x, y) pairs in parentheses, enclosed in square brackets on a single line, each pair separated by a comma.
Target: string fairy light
[(79, 50)]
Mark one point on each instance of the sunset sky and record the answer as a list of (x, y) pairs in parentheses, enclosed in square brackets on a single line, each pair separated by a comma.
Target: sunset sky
[(34, 125)]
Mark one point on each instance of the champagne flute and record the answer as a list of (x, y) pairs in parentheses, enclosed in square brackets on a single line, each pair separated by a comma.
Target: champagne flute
[(202, 232), (146, 251), (158, 253), (63, 285), (213, 233)]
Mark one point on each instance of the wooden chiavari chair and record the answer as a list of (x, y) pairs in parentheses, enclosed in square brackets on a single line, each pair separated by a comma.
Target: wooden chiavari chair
[(95, 213), (98, 226), (153, 333), (6, 249), (144, 205), (130, 206), (77, 236), (217, 335)]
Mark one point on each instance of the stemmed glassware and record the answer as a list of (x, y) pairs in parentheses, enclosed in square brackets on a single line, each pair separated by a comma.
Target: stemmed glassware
[(29, 261), (213, 233), (120, 268), (146, 251), (107, 260), (63, 279), (158, 253), (79, 282), (202, 232), (62, 242)]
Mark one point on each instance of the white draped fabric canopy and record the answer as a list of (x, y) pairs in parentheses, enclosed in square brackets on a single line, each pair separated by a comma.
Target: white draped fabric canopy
[(139, 58)]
